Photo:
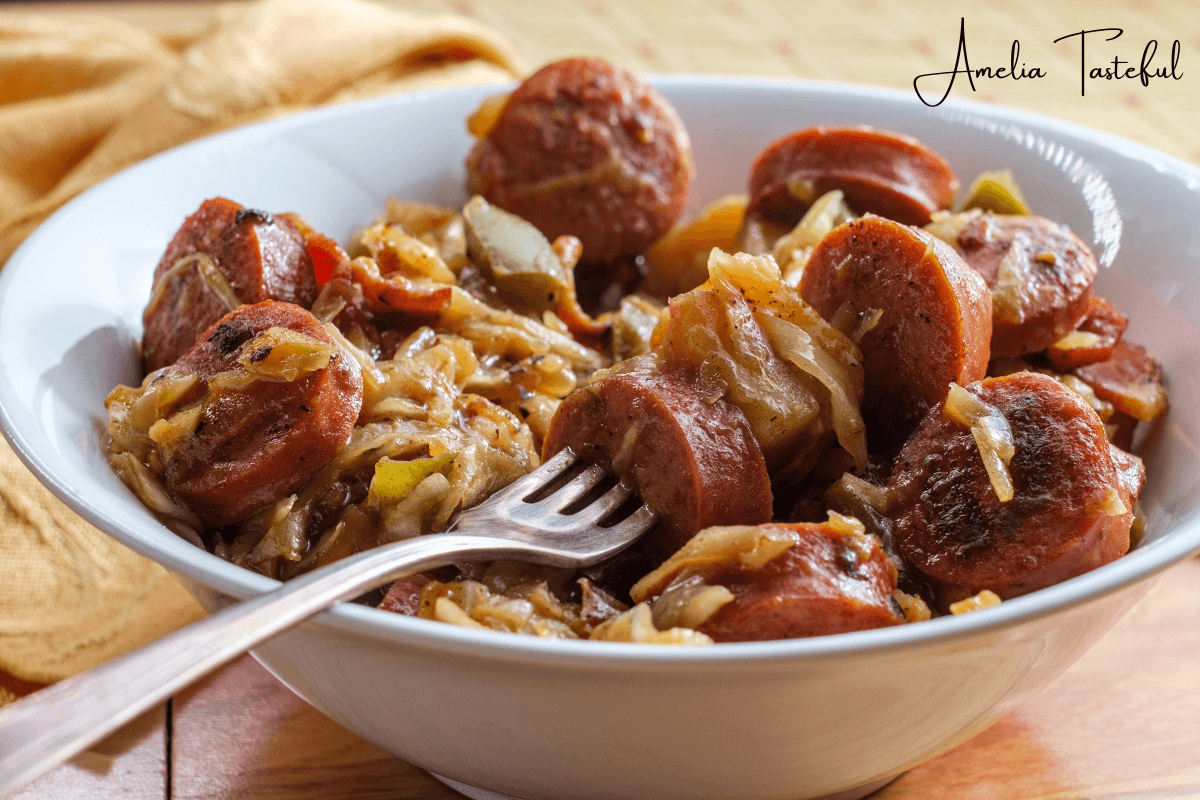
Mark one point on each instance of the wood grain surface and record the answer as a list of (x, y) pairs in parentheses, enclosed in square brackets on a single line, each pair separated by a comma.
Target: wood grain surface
[(1123, 723), (131, 764), (873, 42), (271, 744)]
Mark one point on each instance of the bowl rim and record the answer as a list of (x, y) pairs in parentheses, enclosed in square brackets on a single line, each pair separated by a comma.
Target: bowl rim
[(223, 577)]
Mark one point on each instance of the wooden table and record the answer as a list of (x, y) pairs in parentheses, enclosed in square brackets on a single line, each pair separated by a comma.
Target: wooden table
[(1122, 722)]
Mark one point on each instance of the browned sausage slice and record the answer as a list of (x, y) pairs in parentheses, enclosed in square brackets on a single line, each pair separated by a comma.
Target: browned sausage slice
[(278, 408), (1093, 340), (783, 581), (1067, 514), (828, 582), (879, 172), (694, 461), (260, 256), (934, 327), (1040, 275), (1132, 380), (586, 149)]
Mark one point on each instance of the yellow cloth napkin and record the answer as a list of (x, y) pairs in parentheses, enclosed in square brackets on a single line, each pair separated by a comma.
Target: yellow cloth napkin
[(83, 97)]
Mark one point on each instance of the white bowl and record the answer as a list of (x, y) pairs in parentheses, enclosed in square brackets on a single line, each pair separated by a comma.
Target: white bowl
[(492, 713)]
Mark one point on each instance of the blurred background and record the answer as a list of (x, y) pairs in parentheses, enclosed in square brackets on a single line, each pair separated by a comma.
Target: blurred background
[(96, 599), (859, 41)]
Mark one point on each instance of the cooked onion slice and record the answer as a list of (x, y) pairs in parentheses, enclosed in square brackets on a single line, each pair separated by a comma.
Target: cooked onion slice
[(1102, 407), (802, 337), (915, 609), (395, 480), (1111, 506), (992, 434), (396, 250), (798, 346), (483, 118), (213, 278), (637, 625), (1076, 340), (1011, 294), (688, 604), (285, 354), (948, 227), (792, 249), (712, 547), (985, 599)]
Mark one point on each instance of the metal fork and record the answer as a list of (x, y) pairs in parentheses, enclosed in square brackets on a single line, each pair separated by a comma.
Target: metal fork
[(533, 519)]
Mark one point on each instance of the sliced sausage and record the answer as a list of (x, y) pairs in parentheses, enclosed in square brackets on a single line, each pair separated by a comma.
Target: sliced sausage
[(828, 582), (1098, 333), (879, 172), (586, 149), (692, 459), (1067, 514), (1040, 275), (935, 322), (1132, 380), (262, 257), (780, 581), (268, 422)]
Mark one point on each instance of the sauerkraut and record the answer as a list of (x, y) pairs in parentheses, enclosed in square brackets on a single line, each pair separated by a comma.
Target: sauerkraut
[(468, 332)]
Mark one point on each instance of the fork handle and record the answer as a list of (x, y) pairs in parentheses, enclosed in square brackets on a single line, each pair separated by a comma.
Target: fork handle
[(55, 723)]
